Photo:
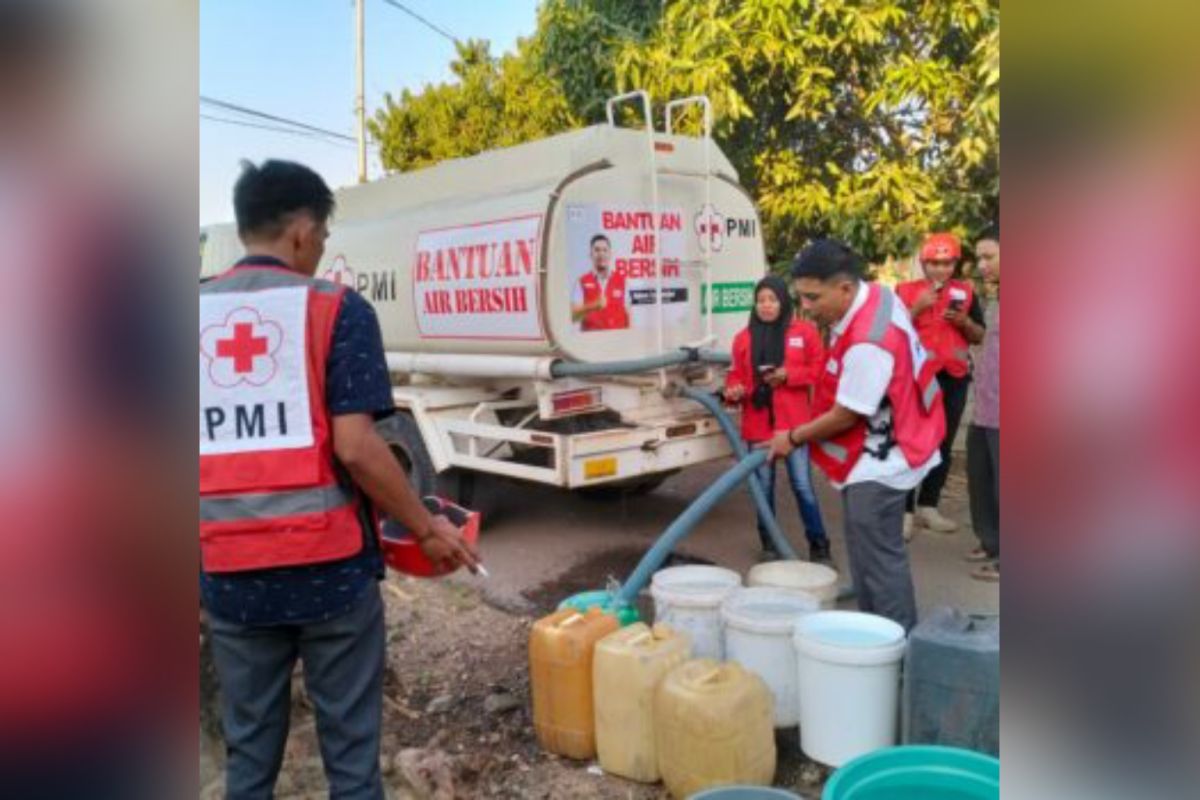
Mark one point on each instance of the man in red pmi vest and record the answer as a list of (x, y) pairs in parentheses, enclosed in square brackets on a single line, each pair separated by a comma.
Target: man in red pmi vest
[(292, 379), (949, 319), (598, 299), (879, 419)]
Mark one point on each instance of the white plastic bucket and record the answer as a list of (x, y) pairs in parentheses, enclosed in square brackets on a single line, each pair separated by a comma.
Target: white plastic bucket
[(689, 599), (817, 580), (849, 683), (759, 626)]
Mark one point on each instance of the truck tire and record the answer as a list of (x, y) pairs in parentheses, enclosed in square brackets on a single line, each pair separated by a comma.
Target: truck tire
[(404, 439)]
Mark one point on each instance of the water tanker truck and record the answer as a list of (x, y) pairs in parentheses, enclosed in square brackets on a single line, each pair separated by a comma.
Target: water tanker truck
[(543, 305)]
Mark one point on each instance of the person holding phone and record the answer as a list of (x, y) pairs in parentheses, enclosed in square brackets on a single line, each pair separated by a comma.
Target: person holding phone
[(777, 359), (948, 319)]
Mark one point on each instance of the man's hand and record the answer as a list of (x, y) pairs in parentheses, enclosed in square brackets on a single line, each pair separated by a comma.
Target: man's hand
[(780, 445), (735, 393), (924, 302), (776, 377), (444, 545)]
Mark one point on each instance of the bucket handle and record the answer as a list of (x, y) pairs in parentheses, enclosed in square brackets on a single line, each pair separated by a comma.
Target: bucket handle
[(641, 637), (571, 620), (709, 676)]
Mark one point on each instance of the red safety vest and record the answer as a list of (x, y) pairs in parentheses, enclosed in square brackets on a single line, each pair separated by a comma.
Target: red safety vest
[(944, 341), (614, 315), (918, 419), (269, 493)]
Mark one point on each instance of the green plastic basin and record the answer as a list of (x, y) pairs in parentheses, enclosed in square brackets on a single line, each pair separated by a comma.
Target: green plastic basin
[(917, 772)]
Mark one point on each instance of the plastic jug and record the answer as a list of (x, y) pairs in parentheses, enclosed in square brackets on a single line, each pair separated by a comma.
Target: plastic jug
[(689, 599), (758, 635), (713, 725), (628, 667), (951, 690), (561, 646)]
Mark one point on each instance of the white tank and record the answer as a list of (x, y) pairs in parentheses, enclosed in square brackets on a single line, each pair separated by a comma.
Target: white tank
[(485, 254)]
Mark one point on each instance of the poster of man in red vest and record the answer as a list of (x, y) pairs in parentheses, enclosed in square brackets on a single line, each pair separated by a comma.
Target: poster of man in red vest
[(598, 297)]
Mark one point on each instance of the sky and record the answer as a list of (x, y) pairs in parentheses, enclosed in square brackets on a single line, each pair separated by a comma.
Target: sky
[(295, 59)]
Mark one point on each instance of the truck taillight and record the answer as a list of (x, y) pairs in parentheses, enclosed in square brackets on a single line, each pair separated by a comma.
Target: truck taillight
[(574, 400)]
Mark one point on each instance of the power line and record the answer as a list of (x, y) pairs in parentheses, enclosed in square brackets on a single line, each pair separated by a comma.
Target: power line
[(272, 118), (276, 128), (422, 20)]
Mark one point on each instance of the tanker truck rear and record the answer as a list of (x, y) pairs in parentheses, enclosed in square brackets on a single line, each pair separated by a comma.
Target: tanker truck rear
[(542, 305)]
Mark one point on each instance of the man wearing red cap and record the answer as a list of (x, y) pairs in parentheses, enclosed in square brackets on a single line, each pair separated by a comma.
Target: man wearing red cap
[(949, 319)]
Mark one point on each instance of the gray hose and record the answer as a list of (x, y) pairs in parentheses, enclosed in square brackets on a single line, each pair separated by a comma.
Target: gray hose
[(586, 369), (683, 525), (765, 515)]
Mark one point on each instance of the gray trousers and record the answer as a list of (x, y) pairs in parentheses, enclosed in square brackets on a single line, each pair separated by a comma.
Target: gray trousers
[(343, 671), (983, 486), (874, 523)]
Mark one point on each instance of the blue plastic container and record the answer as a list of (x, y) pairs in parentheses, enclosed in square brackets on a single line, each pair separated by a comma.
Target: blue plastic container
[(917, 772), (744, 793)]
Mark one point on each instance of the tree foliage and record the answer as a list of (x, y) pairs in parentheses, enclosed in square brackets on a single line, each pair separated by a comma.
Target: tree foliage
[(493, 102), (873, 120)]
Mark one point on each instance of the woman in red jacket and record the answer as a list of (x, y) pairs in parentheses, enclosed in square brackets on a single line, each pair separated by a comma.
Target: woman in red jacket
[(776, 360)]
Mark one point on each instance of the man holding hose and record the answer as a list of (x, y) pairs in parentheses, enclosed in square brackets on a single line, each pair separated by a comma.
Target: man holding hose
[(879, 419)]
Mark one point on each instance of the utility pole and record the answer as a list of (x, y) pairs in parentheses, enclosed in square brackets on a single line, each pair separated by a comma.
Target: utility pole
[(360, 105)]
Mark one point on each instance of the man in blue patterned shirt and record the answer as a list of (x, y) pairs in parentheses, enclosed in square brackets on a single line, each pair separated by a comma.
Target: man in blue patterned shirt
[(329, 614)]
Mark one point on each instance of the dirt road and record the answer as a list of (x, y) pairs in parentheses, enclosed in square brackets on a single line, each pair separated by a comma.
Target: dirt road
[(457, 715)]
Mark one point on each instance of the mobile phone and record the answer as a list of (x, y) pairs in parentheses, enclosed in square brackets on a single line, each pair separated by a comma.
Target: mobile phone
[(956, 305), (767, 368)]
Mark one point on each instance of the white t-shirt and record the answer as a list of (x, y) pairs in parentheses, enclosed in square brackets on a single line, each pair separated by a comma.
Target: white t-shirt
[(866, 373)]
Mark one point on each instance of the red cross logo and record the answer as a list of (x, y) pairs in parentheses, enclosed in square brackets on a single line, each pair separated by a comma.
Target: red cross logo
[(339, 272), (241, 349), (710, 229)]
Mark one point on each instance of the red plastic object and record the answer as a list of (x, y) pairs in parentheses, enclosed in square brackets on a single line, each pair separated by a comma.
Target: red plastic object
[(401, 551)]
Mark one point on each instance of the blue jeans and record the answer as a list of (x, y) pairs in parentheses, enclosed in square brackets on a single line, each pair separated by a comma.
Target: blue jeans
[(806, 496)]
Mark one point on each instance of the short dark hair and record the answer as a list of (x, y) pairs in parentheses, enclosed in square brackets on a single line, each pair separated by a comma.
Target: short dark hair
[(599, 237), (991, 232), (265, 196), (827, 258)]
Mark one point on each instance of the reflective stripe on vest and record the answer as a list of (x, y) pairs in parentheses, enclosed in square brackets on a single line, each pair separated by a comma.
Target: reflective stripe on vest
[(834, 450), (273, 504), (249, 279), (930, 395), (882, 319)]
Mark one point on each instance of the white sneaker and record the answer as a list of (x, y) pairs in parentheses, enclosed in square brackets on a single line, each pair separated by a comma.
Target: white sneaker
[(909, 524), (930, 518)]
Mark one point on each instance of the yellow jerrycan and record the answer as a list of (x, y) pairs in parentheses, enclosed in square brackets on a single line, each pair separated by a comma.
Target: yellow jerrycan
[(560, 677), (714, 725), (629, 665)]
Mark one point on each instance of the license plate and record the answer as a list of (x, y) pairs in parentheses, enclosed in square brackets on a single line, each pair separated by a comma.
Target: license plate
[(599, 468)]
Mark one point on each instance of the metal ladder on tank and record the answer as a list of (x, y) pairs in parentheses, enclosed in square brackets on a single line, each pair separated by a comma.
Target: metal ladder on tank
[(652, 153), (706, 240)]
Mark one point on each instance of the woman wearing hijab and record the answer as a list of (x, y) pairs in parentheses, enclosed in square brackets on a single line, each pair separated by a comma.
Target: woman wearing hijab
[(776, 360)]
